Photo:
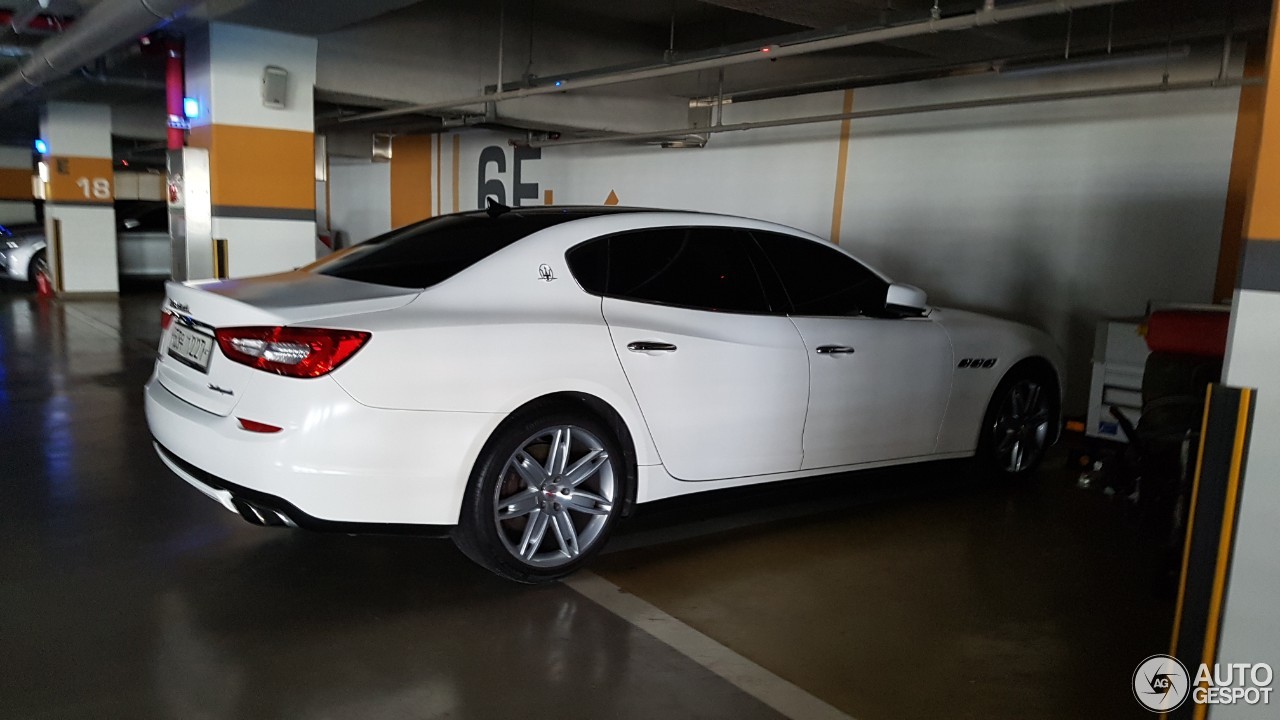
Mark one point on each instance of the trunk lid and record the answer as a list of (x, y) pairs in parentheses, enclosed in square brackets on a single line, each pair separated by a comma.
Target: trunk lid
[(273, 300)]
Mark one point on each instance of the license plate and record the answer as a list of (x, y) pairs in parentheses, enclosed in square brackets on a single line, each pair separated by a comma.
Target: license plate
[(191, 348)]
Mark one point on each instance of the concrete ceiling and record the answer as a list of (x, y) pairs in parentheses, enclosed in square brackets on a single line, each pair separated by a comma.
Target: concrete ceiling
[(680, 28), (300, 17), (650, 32)]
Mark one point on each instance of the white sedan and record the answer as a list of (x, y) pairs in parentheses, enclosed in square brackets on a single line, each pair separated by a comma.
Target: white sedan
[(521, 378)]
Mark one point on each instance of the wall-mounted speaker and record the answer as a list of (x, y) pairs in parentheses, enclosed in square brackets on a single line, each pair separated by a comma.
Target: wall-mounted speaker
[(275, 86)]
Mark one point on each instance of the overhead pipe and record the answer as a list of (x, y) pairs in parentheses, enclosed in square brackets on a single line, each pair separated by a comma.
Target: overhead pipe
[(907, 110), (765, 50), (106, 25)]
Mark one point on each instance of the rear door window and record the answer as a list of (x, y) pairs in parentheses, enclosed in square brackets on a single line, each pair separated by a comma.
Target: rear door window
[(432, 251)]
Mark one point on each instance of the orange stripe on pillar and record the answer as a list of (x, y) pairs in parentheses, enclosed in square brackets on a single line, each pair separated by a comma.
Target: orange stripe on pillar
[(842, 169), (259, 167), (1244, 162), (15, 184), (1262, 218), (410, 179), (457, 169), (80, 180)]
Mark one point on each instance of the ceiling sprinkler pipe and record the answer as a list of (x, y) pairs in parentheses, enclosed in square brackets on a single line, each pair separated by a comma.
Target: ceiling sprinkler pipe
[(105, 26), (660, 135)]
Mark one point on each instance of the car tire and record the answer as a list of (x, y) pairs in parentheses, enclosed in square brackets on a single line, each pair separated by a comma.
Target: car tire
[(39, 264), (1019, 424), (533, 518)]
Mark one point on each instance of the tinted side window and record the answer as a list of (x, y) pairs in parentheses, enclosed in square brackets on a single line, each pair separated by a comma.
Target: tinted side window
[(822, 280), (589, 263), (700, 268), (429, 252)]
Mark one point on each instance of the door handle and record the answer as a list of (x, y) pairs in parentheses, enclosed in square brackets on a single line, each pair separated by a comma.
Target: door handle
[(649, 346), (834, 350)]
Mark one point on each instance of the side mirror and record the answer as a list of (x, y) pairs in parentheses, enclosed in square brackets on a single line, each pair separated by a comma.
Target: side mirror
[(906, 299)]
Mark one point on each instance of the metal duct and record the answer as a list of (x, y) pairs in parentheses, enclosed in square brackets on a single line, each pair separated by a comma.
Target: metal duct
[(108, 24)]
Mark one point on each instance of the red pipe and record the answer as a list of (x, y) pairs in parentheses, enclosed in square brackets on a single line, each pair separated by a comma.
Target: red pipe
[(174, 91)]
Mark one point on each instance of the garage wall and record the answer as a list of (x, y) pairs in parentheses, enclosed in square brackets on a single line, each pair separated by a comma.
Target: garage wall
[(360, 198), (1057, 214)]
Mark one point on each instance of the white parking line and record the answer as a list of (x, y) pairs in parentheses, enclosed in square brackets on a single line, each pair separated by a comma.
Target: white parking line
[(740, 672)]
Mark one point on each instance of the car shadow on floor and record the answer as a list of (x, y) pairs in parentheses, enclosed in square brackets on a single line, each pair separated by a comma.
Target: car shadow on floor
[(1027, 597)]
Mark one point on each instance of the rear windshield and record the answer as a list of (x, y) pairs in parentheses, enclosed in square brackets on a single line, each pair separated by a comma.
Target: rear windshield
[(429, 252)]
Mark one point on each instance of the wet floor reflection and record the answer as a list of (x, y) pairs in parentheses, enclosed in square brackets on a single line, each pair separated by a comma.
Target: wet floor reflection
[(126, 593)]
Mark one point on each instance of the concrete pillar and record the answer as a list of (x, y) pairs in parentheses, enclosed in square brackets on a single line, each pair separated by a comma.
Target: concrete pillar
[(1250, 630), (79, 217), (17, 206), (261, 153)]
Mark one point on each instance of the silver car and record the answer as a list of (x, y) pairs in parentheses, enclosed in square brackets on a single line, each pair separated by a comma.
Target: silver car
[(142, 244)]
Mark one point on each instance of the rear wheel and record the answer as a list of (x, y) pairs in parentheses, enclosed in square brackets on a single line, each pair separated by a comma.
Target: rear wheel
[(543, 497), (1018, 426)]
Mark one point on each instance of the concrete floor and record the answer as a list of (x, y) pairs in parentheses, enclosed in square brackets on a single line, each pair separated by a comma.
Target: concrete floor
[(912, 593)]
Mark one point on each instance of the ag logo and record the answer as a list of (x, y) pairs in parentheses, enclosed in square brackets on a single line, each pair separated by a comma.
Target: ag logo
[(545, 273), (1161, 683)]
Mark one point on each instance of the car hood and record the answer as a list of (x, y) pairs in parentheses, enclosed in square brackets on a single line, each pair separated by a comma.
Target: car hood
[(23, 240)]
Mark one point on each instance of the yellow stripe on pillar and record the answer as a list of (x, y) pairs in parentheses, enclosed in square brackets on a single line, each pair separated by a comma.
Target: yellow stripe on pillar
[(1262, 218), (410, 179), (15, 184), (255, 167), (80, 180), (842, 169), (1244, 162), (457, 169)]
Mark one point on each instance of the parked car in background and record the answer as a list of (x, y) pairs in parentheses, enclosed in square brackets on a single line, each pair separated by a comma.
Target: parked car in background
[(142, 244)]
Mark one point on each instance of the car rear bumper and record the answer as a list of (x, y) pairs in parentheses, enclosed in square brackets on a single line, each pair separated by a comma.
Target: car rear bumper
[(262, 508), (338, 466)]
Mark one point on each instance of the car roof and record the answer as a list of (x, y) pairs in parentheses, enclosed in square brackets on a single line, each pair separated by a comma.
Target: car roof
[(576, 211)]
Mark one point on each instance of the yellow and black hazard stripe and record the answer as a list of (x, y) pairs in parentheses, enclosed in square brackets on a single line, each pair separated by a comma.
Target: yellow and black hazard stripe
[(1211, 529)]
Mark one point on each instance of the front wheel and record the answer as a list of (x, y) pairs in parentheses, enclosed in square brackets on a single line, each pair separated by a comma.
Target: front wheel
[(39, 266), (1018, 426), (544, 496)]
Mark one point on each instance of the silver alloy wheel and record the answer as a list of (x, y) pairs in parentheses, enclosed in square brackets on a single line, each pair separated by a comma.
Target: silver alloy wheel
[(559, 479), (1021, 427)]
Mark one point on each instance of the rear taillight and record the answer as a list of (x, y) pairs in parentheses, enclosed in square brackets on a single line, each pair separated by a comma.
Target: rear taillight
[(293, 351), (166, 319)]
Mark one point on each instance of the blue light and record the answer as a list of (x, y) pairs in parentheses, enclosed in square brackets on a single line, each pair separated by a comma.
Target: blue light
[(42, 147), (191, 108), (559, 83)]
